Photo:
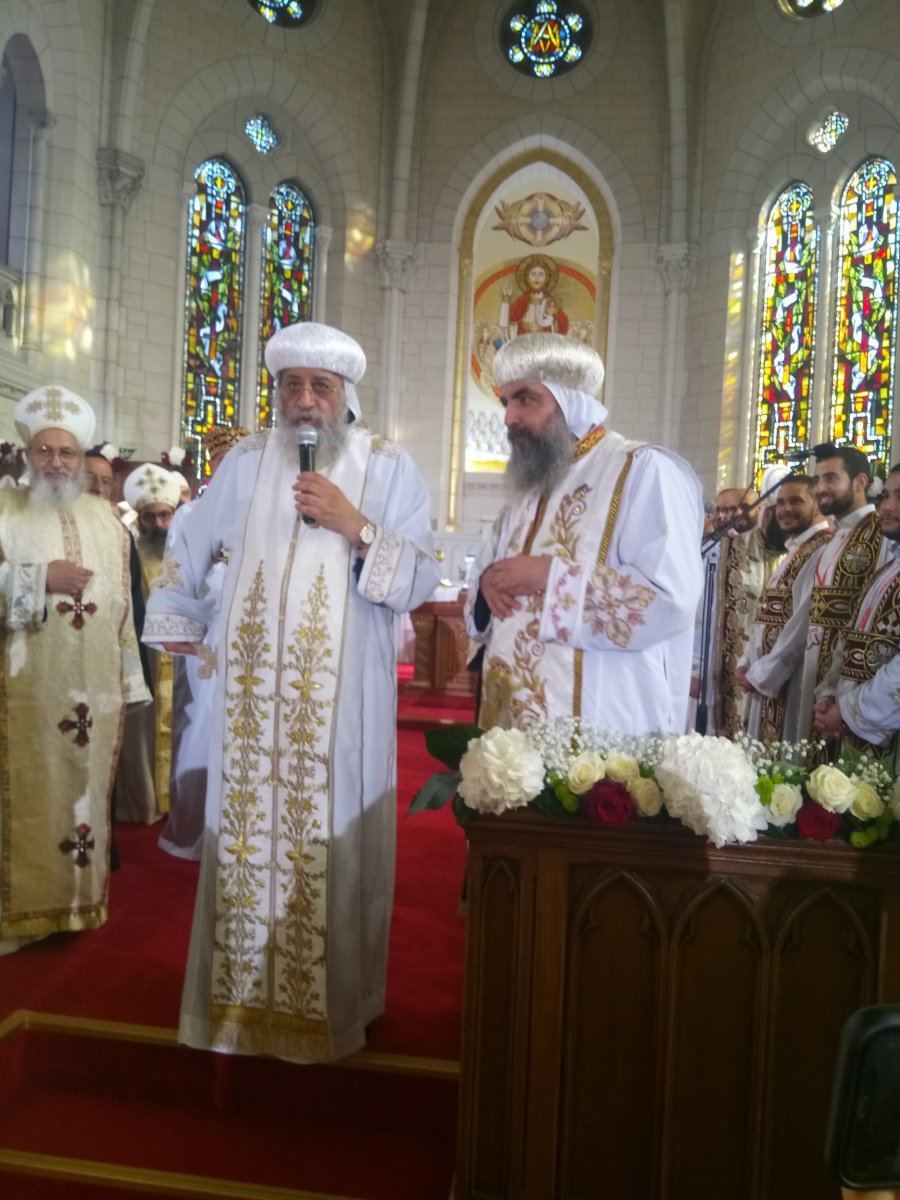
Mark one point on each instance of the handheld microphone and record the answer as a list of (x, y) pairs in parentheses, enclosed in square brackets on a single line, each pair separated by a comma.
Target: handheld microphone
[(307, 436)]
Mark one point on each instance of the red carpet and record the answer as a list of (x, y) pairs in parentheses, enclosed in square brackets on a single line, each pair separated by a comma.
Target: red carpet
[(341, 1131)]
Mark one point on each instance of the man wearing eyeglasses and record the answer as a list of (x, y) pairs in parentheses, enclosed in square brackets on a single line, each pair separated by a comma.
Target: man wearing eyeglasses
[(68, 666), (289, 944)]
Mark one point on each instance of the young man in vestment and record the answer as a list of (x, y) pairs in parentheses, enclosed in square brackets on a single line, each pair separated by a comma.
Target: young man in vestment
[(860, 702), (589, 580), (69, 664), (288, 949), (774, 718), (828, 597)]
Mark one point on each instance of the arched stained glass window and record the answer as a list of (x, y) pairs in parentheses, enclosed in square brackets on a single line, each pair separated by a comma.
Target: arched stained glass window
[(213, 299), (865, 340), (787, 339), (284, 12), (287, 265)]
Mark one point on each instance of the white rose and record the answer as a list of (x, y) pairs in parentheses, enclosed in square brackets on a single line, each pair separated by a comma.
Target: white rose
[(500, 770), (786, 802), (867, 804), (831, 788), (176, 457), (646, 796), (584, 771), (622, 768)]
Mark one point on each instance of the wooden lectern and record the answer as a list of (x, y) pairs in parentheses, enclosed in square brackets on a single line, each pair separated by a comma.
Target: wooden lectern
[(650, 1018)]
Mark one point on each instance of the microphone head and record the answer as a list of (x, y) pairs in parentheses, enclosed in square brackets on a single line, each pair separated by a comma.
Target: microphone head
[(306, 435)]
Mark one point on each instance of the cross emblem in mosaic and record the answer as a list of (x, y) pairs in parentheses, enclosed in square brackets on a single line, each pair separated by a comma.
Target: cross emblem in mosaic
[(83, 843), (83, 722), (79, 608), (52, 405)]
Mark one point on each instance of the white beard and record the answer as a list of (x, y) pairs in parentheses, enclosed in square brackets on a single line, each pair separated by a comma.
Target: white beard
[(56, 495), (332, 438)]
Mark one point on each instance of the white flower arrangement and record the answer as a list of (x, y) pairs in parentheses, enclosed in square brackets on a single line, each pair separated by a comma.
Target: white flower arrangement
[(176, 457), (710, 785), (500, 770), (728, 792)]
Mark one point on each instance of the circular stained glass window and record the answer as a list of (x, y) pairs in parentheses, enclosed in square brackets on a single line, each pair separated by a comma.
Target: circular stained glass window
[(284, 12), (545, 38), (809, 8)]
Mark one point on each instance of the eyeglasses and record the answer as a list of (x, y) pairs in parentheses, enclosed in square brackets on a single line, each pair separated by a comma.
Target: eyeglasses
[(296, 387), (66, 455)]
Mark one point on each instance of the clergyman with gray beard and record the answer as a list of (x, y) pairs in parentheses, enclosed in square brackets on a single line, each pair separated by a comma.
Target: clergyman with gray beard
[(301, 777), (589, 581), (69, 665)]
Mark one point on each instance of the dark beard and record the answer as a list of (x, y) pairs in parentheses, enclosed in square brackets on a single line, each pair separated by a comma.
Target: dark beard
[(153, 543), (538, 461), (839, 506)]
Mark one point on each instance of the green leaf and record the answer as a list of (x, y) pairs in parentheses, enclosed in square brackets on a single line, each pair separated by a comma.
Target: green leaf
[(435, 792), (448, 743), (461, 810)]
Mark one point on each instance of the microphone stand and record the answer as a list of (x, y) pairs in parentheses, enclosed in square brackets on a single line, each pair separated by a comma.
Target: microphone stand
[(711, 562)]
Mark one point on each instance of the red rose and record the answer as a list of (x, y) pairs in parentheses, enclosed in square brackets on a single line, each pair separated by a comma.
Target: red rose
[(608, 803), (816, 822)]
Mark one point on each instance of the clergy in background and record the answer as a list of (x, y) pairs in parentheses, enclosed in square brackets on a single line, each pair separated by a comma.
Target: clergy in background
[(590, 578), (142, 783), (288, 950), (68, 666)]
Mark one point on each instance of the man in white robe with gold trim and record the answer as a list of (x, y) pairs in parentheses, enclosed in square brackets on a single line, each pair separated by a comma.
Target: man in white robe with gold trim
[(69, 664), (589, 581), (289, 944)]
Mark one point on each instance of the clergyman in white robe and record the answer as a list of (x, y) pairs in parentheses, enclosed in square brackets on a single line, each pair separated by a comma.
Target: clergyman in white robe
[(288, 949), (607, 633)]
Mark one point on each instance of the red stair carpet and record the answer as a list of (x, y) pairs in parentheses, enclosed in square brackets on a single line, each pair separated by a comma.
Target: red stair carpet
[(97, 1099)]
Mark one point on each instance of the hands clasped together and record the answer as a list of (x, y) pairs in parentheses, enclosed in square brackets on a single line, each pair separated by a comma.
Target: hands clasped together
[(508, 578)]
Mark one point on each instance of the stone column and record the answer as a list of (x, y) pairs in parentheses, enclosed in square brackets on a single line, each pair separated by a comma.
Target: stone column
[(676, 262), (119, 176), (827, 220), (42, 122), (323, 235), (394, 261), (245, 409)]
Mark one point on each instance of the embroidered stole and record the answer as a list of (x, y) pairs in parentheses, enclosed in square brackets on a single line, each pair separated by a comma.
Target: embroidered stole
[(282, 652), (876, 638), (775, 609), (525, 678), (841, 578)]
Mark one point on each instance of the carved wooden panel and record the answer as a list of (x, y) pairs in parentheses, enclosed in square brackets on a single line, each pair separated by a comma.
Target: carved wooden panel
[(649, 1018)]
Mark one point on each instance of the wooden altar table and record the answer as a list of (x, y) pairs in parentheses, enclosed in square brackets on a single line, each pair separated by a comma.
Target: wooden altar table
[(650, 1018)]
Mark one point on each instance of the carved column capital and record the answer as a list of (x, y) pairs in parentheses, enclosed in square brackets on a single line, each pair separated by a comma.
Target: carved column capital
[(323, 235), (395, 260), (119, 175), (676, 262)]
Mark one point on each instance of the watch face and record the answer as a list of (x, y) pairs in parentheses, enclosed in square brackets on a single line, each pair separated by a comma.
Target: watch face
[(367, 534)]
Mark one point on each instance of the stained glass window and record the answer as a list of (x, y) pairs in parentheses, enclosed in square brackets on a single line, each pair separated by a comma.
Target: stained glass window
[(261, 134), (284, 12), (825, 136), (546, 37), (810, 8), (286, 277), (865, 340), (212, 342), (787, 339)]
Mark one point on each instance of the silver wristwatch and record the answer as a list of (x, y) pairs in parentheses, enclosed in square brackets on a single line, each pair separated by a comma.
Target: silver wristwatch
[(366, 535)]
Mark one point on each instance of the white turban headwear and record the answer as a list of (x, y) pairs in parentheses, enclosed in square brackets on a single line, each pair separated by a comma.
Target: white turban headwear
[(308, 344), (55, 407), (772, 477), (571, 372), (151, 484)]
